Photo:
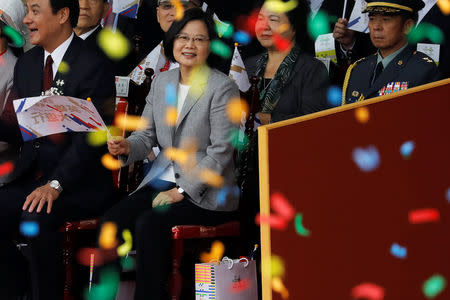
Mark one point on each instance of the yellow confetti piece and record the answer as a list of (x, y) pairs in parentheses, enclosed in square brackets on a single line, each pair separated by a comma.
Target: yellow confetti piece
[(123, 249), (110, 162), (235, 108), (216, 253), (211, 177), (178, 155), (63, 67), (107, 239), (179, 9), (131, 123), (283, 28), (279, 6), (362, 114), (278, 286), (97, 138), (171, 116), (276, 266), (114, 44), (444, 5)]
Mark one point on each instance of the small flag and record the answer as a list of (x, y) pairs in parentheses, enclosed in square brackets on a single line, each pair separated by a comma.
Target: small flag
[(359, 21), (238, 72)]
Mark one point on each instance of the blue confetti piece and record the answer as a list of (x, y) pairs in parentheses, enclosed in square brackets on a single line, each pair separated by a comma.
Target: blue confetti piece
[(407, 148), (366, 159), (242, 37), (399, 251), (224, 192), (334, 96), (29, 228), (171, 95), (448, 195)]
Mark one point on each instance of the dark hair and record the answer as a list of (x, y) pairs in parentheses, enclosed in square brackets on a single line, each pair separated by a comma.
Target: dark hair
[(74, 9), (298, 17), (190, 15)]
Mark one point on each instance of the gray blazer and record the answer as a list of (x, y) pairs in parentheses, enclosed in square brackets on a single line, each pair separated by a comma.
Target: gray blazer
[(203, 118)]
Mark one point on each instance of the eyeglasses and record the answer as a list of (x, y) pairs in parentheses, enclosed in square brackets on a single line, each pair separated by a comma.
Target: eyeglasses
[(167, 5), (198, 39)]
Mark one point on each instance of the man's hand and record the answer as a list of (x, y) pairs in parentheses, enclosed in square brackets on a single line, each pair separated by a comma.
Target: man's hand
[(118, 146), (167, 198), (343, 35), (40, 196)]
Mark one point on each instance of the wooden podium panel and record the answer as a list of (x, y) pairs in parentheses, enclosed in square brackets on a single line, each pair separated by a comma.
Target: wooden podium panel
[(354, 216)]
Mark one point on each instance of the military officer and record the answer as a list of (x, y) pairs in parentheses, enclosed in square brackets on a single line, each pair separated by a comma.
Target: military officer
[(395, 66)]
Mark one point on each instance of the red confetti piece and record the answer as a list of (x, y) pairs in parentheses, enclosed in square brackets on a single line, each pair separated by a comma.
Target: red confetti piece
[(368, 291), (281, 43), (6, 168), (240, 286), (247, 23), (274, 221), (423, 216), (279, 204)]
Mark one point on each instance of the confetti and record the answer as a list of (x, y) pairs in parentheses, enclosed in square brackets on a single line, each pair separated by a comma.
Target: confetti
[(280, 205), (299, 228), (216, 253), (97, 138), (275, 222), (362, 114), (224, 29), (114, 44), (278, 286), (236, 108), (240, 286), (178, 155), (106, 289), (334, 96), (130, 123), (318, 25), (238, 139), (14, 35), (279, 6), (406, 149), (171, 116), (425, 31), (368, 291), (109, 162), (211, 177), (65, 68), (179, 9), (444, 5), (447, 195), (242, 37), (126, 247), (171, 95), (367, 159), (222, 195), (107, 238), (281, 43), (426, 215), (84, 256), (277, 268), (29, 228), (219, 48), (6, 168), (247, 23), (433, 286), (127, 263), (399, 251)]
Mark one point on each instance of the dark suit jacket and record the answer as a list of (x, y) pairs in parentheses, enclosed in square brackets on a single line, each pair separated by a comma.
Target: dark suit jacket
[(409, 66), (65, 157), (305, 91)]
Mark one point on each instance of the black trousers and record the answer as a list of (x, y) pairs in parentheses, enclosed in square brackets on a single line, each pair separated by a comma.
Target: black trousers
[(151, 229), (45, 261)]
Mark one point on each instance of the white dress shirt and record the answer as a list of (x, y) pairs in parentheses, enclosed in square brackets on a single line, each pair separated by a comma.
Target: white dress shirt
[(86, 34)]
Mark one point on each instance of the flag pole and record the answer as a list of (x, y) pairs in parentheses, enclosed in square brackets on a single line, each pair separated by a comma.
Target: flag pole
[(345, 8)]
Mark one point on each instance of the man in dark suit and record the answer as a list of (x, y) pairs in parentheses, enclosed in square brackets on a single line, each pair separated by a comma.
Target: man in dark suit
[(60, 176), (395, 66)]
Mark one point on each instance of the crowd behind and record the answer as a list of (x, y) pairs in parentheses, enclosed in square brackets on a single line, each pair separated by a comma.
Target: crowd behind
[(60, 177)]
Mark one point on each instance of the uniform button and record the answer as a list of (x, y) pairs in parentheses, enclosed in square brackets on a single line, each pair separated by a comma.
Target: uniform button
[(36, 144), (177, 175)]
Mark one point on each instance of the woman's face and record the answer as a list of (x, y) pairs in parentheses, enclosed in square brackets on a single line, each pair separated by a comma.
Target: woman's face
[(191, 46), (270, 23), (165, 13)]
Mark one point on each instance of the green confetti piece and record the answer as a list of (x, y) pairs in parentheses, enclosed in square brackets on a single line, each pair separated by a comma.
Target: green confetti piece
[(236, 141), (299, 226), (319, 24), (219, 48), (127, 263), (107, 288), (224, 29), (433, 286), (425, 31), (14, 35), (63, 67)]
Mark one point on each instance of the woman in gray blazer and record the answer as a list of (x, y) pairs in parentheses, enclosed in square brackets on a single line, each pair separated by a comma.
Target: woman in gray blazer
[(187, 119)]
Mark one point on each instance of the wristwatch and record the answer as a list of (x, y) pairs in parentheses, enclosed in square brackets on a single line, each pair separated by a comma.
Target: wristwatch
[(55, 184), (181, 191)]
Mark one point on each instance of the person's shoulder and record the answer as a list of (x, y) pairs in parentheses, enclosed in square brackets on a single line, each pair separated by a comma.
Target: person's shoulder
[(364, 62), (420, 59), (216, 77), (251, 64), (31, 55)]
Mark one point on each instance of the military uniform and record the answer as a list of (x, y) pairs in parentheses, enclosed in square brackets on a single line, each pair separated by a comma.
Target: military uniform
[(408, 69)]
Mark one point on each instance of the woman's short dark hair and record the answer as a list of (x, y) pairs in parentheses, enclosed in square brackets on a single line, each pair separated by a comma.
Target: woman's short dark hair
[(74, 9), (189, 15), (298, 17)]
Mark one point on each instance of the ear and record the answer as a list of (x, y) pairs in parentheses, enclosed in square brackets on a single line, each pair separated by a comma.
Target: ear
[(105, 9), (63, 15), (408, 26)]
